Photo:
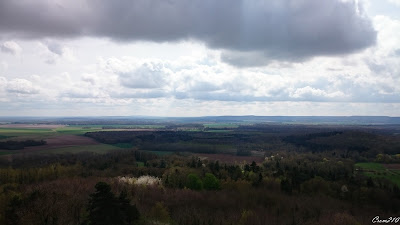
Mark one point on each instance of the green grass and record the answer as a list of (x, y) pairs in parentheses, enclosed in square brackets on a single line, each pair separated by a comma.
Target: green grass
[(377, 170), (123, 145), (23, 131), (7, 152), (82, 129), (371, 166), (76, 130), (140, 164), (107, 126), (26, 133)]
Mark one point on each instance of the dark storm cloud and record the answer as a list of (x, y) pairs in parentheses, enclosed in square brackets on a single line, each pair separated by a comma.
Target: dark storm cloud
[(289, 30)]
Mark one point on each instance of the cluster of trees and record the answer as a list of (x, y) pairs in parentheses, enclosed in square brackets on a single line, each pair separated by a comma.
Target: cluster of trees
[(105, 208), (357, 144)]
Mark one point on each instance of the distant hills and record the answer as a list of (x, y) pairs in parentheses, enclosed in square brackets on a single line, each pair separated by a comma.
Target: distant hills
[(351, 120)]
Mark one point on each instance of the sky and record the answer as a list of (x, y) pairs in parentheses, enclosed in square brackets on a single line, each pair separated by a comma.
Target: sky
[(199, 57)]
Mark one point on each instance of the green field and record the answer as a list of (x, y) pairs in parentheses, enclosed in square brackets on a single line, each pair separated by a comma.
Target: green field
[(75, 130), (118, 126), (43, 133), (82, 129), (123, 145), (6, 152), (25, 133), (140, 164), (378, 170)]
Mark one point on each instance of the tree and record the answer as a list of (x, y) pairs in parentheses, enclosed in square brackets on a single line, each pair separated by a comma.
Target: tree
[(11, 216), (129, 213), (210, 182), (193, 182), (160, 213), (105, 209)]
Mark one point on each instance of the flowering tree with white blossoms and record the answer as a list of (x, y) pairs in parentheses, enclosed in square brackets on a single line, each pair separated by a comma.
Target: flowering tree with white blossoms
[(142, 180)]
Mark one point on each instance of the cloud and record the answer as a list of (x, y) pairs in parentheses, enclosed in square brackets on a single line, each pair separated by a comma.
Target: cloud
[(396, 2), (3, 82), (310, 93), (288, 30), (314, 81), (53, 51), (146, 76), (140, 94), (21, 86), (11, 47), (90, 78), (55, 48)]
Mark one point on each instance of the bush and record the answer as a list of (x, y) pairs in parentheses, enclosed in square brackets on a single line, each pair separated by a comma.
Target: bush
[(210, 182)]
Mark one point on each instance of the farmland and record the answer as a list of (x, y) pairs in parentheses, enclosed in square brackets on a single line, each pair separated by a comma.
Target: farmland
[(377, 170)]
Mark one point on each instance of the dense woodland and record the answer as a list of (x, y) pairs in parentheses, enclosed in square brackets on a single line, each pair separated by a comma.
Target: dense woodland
[(307, 175), (360, 143), (17, 145)]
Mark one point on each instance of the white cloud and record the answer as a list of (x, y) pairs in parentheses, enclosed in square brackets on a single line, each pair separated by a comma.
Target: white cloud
[(11, 47), (396, 2), (21, 86), (148, 75), (90, 78)]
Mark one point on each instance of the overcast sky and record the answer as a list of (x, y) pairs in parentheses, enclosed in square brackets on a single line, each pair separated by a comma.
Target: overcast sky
[(199, 57)]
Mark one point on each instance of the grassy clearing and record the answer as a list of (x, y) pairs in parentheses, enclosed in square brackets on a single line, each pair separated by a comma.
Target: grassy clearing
[(371, 166), (140, 164), (377, 170), (123, 145)]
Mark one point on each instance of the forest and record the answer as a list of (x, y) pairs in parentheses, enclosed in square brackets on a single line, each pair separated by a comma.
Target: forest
[(208, 173)]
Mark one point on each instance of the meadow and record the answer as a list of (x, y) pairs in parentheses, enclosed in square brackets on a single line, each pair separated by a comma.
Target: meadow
[(379, 170)]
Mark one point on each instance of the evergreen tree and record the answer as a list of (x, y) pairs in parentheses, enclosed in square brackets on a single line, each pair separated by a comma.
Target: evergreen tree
[(11, 216), (129, 213), (105, 209)]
